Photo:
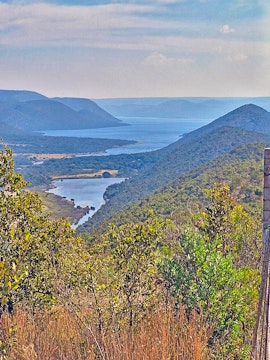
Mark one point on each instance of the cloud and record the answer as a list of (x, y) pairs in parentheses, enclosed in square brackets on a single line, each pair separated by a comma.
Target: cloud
[(226, 29), (111, 26), (114, 26), (127, 26), (159, 59), (52, 25), (127, 47), (167, 2), (237, 57)]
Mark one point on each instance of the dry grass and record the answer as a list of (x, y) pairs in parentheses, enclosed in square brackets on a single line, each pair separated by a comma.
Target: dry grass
[(162, 337), (91, 175), (61, 335)]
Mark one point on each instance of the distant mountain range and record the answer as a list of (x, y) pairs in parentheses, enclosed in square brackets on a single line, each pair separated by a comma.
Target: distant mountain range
[(248, 124), (196, 108), (30, 111), (23, 113)]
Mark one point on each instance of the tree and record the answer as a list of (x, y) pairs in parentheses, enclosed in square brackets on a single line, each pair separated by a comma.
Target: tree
[(134, 251), (227, 223), (202, 279), (214, 272), (36, 252), (126, 281)]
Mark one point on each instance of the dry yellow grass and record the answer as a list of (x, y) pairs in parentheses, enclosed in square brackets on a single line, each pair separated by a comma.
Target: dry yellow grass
[(60, 334), (89, 175)]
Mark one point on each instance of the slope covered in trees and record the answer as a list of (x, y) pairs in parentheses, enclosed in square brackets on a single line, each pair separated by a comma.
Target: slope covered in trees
[(142, 289), (193, 150), (249, 117), (149, 172), (241, 169)]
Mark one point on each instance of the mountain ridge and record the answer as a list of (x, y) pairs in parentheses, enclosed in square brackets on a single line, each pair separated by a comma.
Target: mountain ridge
[(240, 168), (31, 111), (184, 107), (191, 151), (255, 119)]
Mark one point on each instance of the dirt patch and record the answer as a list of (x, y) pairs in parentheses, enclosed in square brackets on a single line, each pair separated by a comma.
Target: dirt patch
[(43, 157)]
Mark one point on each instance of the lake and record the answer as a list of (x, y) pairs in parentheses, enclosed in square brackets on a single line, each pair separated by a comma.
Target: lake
[(150, 134), (85, 192)]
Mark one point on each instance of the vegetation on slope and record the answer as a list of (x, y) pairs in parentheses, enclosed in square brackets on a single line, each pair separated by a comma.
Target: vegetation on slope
[(241, 169), (41, 144), (190, 152), (126, 165), (112, 293), (249, 117), (182, 160)]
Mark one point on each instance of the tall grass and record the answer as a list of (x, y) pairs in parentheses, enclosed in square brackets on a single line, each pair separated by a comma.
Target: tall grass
[(60, 334)]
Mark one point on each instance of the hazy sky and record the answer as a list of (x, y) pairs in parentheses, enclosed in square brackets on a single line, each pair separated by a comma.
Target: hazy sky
[(101, 49)]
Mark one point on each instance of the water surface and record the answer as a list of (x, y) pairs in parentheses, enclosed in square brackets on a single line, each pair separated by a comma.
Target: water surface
[(150, 133), (84, 192)]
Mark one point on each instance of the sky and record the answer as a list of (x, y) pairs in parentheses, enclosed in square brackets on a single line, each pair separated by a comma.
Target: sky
[(136, 48)]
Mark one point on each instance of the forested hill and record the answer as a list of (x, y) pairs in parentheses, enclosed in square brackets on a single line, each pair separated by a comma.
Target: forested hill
[(192, 151), (30, 111), (241, 169), (249, 117)]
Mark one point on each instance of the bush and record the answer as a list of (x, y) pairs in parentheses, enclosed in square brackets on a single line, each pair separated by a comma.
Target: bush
[(206, 281)]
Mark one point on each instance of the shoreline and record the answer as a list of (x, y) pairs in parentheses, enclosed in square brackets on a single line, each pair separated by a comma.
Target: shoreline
[(59, 206)]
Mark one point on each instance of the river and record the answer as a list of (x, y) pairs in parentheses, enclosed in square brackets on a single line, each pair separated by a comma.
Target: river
[(150, 134), (84, 192)]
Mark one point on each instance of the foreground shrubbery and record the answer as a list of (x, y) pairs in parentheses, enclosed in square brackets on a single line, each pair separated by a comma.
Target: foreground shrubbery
[(142, 291)]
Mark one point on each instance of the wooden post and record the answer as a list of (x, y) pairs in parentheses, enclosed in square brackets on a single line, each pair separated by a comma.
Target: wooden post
[(261, 342)]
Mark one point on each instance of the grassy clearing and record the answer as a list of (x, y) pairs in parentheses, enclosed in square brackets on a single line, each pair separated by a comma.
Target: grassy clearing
[(93, 175)]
